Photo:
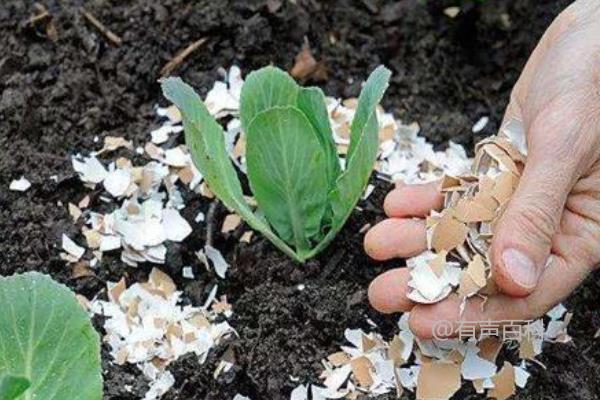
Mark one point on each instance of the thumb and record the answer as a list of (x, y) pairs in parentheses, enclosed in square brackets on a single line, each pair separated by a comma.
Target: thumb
[(523, 237)]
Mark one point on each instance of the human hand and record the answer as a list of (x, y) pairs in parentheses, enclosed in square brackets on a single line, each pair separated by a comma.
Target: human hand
[(548, 239)]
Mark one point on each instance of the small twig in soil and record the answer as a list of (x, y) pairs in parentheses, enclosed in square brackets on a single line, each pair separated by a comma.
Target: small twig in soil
[(210, 223), (42, 20), (112, 37), (41, 14), (180, 57), (37, 18)]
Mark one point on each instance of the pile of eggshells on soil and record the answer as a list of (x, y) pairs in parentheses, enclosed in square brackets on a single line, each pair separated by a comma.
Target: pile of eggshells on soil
[(147, 325)]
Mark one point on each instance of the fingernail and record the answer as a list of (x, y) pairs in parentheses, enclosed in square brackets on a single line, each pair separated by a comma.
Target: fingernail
[(520, 267)]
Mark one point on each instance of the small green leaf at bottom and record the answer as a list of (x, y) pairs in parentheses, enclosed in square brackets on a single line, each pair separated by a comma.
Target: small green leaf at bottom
[(11, 387), (47, 338)]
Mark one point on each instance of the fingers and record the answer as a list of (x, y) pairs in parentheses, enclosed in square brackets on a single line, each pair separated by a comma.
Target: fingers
[(387, 292), (403, 237), (396, 237), (399, 237), (557, 282), (413, 200)]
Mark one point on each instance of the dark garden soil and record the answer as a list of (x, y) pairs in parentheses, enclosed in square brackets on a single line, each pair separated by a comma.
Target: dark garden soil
[(57, 95)]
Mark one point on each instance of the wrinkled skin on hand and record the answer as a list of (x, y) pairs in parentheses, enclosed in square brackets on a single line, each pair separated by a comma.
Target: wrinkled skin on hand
[(548, 239)]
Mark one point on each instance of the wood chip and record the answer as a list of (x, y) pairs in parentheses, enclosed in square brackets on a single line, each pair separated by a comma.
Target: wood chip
[(305, 64)]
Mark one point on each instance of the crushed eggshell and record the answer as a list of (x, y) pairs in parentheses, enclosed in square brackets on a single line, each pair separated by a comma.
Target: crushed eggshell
[(72, 249), (246, 237), (480, 124), (452, 12), (457, 259), (188, 272), (504, 383), (90, 169), (476, 192), (20, 185), (146, 326), (438, 381), (117, 182), (74, 211), (218, 261), (230, 222), (162, 134), (112, 143)]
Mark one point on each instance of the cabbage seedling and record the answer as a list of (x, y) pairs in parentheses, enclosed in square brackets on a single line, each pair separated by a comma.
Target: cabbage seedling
[(48, 346), (303, 195), (11, 387)]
